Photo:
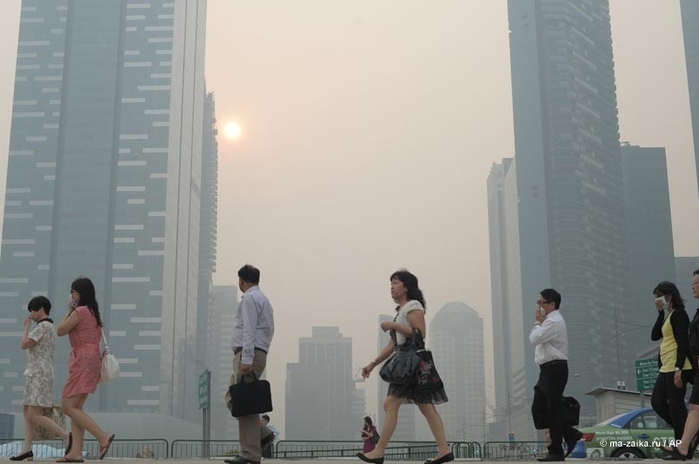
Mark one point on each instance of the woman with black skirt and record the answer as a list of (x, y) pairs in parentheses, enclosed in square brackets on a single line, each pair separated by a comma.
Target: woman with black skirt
[(410, 315)]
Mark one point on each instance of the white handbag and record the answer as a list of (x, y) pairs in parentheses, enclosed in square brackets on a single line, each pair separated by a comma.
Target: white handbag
[(110, 366)]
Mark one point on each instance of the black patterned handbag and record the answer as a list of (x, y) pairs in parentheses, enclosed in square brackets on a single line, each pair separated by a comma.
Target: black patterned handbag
[(426, 376)]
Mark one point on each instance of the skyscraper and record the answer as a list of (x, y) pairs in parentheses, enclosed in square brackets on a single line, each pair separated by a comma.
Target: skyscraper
[(502, 320), (104, 180), (320, 391), (456, 339), (220, 358), (570, 201), (690, 29), (651, 249)]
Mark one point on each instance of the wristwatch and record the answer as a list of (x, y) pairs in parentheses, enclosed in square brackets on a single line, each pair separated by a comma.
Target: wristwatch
[(677, 369)]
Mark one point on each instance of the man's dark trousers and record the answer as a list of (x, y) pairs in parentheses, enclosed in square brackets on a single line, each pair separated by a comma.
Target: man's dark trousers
[(548, 394)]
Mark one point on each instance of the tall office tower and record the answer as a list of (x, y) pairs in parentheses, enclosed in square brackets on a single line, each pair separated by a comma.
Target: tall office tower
[(220, 358), (320, 391), (684, 269), (405, 429), (456, 334), (207, 233), (651, 249), (502, 320), (571, 213), (104, 180), (690, 29)]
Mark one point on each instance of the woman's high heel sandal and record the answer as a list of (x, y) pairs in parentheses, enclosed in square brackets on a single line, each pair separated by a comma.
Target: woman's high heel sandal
[(28, 456)]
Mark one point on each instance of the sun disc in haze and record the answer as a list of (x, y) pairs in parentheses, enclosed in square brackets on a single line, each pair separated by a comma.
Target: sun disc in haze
[(232, 130)]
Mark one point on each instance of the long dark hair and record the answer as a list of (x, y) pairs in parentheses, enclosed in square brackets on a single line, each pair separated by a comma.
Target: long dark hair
[(410, 282), (368, 424), (668, 288), (86, 290)]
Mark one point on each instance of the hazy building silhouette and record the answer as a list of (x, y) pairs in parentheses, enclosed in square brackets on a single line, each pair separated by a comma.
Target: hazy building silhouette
[(207, 233), (405, 429), (321, 403), (651, 249), (684, 271), (220, 325), (506, 326), (570, 200), (104, 180), (456, 340), (690, 29)]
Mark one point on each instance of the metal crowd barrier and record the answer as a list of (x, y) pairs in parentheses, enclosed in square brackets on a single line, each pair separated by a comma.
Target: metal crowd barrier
[(152, 448), (159, 448), (189, 449), (514, 450), (406, 451)]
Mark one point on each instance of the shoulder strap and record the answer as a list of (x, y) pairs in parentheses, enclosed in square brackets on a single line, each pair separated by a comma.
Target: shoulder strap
[(104, 339)]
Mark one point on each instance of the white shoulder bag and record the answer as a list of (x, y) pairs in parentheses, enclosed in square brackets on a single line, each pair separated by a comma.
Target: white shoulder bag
[(110, 366)]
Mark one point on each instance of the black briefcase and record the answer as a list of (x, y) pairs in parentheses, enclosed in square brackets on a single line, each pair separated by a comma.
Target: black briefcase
[(250, 397)]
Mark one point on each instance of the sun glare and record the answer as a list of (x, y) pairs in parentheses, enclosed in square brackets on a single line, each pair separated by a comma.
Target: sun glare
[(232, 130)]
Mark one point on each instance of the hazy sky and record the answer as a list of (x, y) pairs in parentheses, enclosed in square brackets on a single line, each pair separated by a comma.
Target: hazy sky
[(369, 129)]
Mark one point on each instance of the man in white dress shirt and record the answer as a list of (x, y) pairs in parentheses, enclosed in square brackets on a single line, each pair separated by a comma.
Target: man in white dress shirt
[(252, 336), (550, 338)]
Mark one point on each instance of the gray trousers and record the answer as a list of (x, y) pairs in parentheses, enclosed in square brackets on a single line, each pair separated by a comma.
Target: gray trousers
[(249, 427)]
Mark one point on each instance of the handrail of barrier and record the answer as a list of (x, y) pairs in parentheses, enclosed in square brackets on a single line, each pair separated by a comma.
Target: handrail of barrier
[(514, 449), (406, 450), (467, 450), (160, 448), (149, 448), (186, 449)]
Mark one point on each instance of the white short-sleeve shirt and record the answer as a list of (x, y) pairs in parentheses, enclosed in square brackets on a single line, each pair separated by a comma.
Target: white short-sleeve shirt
[(402, 318)]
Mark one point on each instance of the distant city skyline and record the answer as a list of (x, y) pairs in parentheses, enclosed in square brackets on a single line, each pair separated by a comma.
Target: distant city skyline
[(360, 114)]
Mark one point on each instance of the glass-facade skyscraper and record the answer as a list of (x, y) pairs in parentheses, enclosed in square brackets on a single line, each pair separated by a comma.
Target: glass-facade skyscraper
[(690, 30), (105, 180), (570, 226)]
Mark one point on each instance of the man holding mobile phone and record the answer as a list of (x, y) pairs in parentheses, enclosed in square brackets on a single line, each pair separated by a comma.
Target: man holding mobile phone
[(550, 338)]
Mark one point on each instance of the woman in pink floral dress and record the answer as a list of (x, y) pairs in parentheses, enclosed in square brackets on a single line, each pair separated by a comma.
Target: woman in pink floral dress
[(83, 326)]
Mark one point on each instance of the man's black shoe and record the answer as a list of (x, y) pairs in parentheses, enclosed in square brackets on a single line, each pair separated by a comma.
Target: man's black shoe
[(552, 457), (572, 441), (240, 460)]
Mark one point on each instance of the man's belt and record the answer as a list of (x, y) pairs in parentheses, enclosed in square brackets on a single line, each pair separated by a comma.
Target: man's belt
[(240, 348)]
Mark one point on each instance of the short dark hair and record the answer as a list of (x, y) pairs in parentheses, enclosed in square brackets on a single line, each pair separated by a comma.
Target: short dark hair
[(551, 296), (249, 274), (696, 272), (38, 302), (265, 417)]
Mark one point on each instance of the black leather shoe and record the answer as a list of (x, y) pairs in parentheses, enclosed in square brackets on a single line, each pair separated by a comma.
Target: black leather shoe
[(446, 458), (240, 460), (370, 460), (29, 456), (572, 441), (552, 457)]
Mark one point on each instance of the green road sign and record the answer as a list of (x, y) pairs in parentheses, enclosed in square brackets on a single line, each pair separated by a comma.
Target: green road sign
[(204, 388), (646, 373)]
